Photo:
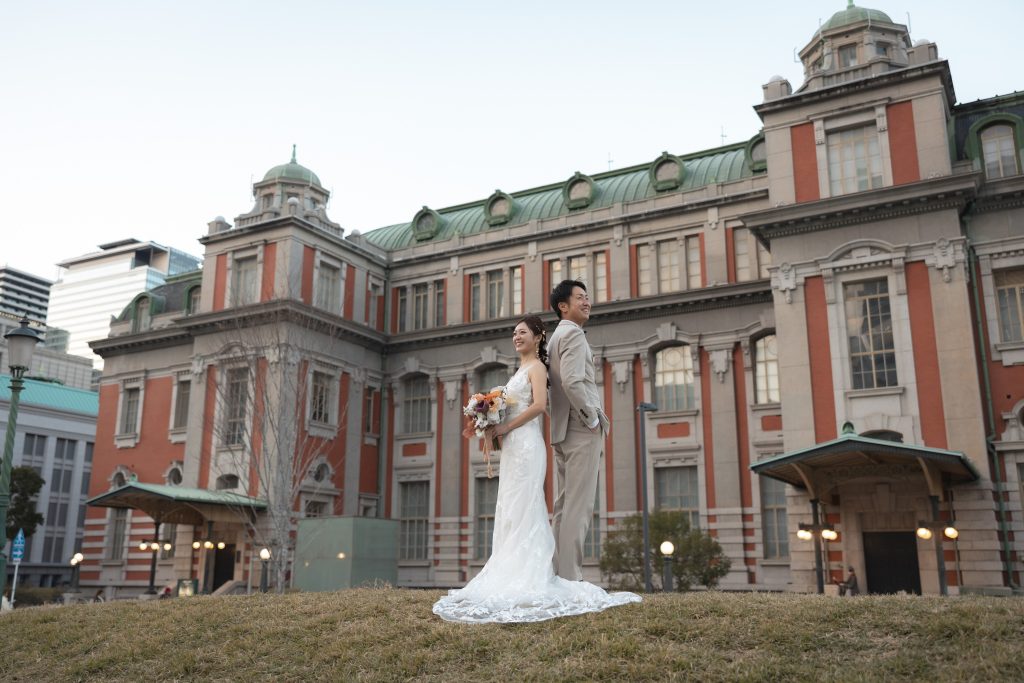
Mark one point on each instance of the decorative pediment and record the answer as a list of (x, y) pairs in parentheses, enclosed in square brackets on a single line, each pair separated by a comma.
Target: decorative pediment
[(499, 208), (666, 173), (578, 191), (426, 224)]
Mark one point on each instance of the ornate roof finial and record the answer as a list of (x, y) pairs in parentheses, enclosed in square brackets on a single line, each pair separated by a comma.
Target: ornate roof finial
[(293, 147), (849, 4)]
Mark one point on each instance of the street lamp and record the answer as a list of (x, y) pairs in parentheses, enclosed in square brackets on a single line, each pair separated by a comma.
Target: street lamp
[(21, 342), (817, 532), (76, 562), (938, 529), (666, 571), (264, 559), (642, 409)]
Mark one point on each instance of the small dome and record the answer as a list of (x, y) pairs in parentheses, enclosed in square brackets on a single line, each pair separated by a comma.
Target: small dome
[(852, 15), (293, 171)]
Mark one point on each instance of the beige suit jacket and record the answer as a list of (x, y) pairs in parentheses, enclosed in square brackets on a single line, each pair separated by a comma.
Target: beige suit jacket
[(574, 392)]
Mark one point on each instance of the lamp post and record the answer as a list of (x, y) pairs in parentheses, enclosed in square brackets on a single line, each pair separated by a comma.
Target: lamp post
[(817, 531), (666, 570), (642, 409), (76, 562), (264, 559), (21, 342), (938, 529)]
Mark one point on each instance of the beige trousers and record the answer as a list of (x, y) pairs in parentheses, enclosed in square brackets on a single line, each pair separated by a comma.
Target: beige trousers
[(577, 462)]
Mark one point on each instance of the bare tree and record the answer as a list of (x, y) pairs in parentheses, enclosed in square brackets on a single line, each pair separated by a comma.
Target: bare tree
[(279, 422)]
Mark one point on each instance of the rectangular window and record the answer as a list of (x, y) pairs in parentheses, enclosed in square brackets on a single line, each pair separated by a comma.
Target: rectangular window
[(600, 293), (847, 56), (644, 270), (420, 299), (169, 533), (854, 160), (320, 398), (486, 500), (578, 270), (773, 519), (693, 269), (766, 370), (403, 309), (373, 304), (474, 296), (439, 301), (235, 406), (130, 410), (118, 526), (416, 405), (495, 294), (741, 253), (675, 488), (243, 281), (669, 267), (181, 399), (368, 404), (869, 331), (414, 504), (1010, 299), (328, 288), (555, 272), (316, 508), (673, 379), (517, 290)]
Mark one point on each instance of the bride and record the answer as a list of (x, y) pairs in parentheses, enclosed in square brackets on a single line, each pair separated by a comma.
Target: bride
[(518, 583)]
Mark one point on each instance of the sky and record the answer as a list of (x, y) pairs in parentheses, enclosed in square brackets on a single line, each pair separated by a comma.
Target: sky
[(148, 119)]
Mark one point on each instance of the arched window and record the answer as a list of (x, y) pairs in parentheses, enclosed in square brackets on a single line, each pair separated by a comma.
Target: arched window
[(226, 482), (192, 300), (673, 378), (490, 377), (142, 319), (999, 151), (766, 370), (416, 405), (884, 435)]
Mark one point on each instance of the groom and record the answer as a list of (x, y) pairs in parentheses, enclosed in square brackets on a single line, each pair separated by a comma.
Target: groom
[(578, 426)]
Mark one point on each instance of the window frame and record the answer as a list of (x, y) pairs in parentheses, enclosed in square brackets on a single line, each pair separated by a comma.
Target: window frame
[(420, 404), (690, 397), (872, 354), (235, 286), (660, 472), (414, 529)]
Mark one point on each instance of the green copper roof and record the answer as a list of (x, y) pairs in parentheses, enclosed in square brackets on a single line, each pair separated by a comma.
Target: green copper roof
[(184, 494), (55, 396), (720, 165), (293, 171), (853, 14)]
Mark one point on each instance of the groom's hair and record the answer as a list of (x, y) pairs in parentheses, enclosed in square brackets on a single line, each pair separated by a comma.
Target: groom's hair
[(562, 293)]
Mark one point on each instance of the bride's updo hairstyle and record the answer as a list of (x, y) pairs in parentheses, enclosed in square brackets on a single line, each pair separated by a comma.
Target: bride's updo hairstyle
[(535, 325)]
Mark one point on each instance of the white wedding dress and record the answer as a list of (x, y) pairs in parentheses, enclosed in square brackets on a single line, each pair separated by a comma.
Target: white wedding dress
[(518, 583)]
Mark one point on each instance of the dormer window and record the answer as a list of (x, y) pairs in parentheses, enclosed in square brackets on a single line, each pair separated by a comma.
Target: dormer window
[(881, 50), (268, 201), (999, 151), (847, 56)]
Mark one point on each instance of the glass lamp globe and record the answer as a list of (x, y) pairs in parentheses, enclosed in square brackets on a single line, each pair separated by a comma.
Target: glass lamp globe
[(924, 533), (951, 532), (667, 548), (264, 554)]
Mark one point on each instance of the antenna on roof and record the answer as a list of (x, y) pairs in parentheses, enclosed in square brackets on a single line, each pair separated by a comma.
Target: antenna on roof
[(610, 160), (722, 135), (908, 23)]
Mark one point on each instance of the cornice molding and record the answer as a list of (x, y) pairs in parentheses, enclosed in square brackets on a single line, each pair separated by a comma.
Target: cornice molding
[(926, 196)]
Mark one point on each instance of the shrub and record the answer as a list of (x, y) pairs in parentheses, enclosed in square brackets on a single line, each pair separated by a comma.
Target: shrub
[(698, 558)]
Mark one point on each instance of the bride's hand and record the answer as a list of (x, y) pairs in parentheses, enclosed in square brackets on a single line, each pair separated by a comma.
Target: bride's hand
[(498, 430)]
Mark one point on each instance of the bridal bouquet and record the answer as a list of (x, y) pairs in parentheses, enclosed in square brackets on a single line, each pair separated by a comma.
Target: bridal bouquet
[(483, 411)]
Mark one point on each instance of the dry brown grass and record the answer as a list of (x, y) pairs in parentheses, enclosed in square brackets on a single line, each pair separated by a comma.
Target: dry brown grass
[(391, 635)]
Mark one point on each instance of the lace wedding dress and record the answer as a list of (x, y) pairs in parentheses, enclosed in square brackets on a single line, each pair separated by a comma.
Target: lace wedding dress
[(518, 583)]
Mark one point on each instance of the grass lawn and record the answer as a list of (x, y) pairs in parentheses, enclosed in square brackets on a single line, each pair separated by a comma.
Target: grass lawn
[(391, 635)]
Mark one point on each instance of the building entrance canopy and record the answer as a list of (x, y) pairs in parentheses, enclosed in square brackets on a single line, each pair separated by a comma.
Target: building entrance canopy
[(179, 505), (823, 466)]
